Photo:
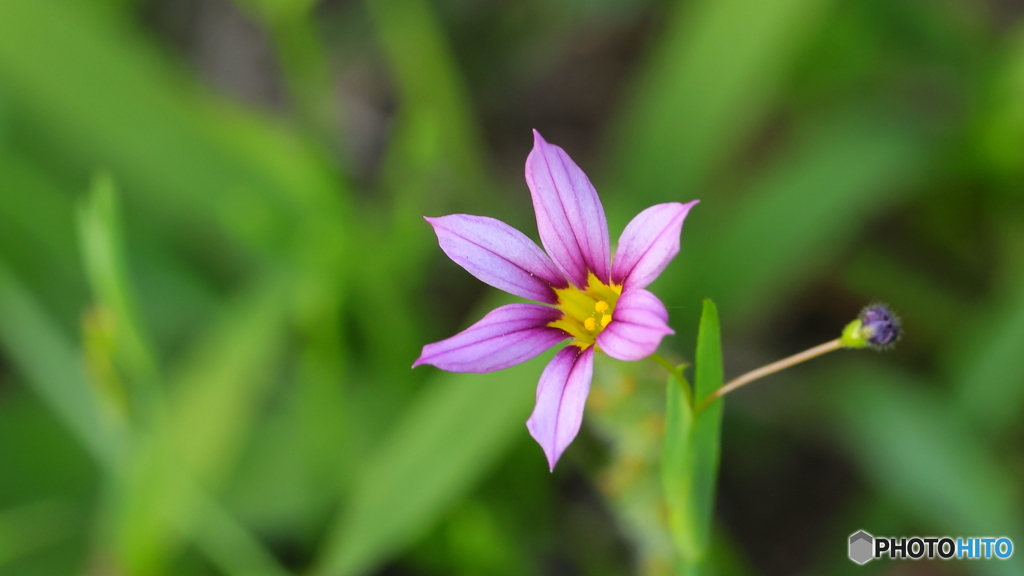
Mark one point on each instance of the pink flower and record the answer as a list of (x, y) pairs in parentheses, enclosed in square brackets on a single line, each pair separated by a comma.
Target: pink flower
[(598, 302)]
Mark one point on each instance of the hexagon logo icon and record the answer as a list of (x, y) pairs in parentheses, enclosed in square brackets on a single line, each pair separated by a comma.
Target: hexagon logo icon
[(861, 547)]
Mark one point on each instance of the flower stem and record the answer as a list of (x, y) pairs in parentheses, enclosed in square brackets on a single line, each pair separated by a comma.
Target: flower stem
[(677, 373), (769, 369)]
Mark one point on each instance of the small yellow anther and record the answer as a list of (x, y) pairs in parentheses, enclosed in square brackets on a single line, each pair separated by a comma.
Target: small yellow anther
[(601, 306), (590, 324), (606, 320)]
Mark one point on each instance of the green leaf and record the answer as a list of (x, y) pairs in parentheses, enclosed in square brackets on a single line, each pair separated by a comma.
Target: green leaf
[(31, 527), (230, 546), (989, 368), (53, 366), (717, 70), (88, 88), (49, 362), (37, 240), (101, 238), (452, 434), (1000, 137), (676, 465), (433, 162), (923, 303), (921, 453), (707, 425), (691, 452), (217, 395), (438, 137), (823, 188)]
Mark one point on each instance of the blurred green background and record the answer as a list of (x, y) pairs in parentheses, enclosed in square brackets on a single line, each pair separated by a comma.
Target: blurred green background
[(214, 276)]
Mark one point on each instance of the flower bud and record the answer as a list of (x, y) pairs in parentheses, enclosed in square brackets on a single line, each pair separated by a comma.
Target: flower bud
[(876, 327)]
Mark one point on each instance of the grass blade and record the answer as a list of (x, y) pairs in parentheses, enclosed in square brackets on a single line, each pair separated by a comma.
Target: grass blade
[(676, 466), (454, 431), (53, 366), (104, 258), (720, 65), (196, 439), (923, 454), (707, 427), (691, 451)]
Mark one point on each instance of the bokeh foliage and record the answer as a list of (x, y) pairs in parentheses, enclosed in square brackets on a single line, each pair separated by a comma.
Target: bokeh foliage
[(211, 291)]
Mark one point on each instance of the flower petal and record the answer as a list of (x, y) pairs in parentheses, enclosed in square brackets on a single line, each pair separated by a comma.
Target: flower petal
[(570, 218), (499, 255), (649, 242), (637, 327), (504, 337), (561, 394)]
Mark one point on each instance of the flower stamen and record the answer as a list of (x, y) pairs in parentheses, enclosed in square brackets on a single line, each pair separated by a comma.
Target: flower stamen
[(586, 312)]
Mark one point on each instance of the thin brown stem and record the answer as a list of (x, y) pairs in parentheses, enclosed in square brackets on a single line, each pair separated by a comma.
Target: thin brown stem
[(769, 369)]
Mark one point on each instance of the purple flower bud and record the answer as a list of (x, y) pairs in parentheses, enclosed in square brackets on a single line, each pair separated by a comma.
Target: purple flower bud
[(881, 326)]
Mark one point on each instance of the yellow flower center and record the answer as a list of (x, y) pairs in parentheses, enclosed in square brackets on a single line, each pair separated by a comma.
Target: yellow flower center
[(586, 312)]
